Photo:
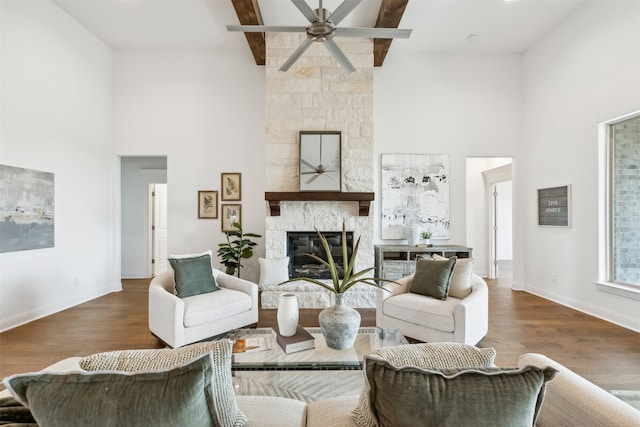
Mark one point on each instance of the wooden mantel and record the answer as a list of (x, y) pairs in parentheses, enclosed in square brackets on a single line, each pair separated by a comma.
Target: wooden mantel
[(274, 198)]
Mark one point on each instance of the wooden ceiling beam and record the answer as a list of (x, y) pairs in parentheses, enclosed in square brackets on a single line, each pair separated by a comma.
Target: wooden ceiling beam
[(248, 13), (389, 16)]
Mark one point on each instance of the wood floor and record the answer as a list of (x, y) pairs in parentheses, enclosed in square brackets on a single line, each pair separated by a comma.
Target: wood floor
[(606, 354)]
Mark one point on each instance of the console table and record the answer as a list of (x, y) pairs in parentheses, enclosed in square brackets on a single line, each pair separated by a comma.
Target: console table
[(397, 261)]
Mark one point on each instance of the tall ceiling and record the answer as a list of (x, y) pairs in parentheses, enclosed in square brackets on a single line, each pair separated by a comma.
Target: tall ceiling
[(459, 26)]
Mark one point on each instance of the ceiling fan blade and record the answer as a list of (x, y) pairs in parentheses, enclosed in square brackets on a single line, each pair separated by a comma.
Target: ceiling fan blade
[(373, 33), (296, 54), (313, 178), (266, 29), (337, 53), (308, 164), (343, 10), (306, 10)]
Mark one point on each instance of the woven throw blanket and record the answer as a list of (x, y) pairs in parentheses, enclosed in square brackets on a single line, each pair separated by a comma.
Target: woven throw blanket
[(12, 413)]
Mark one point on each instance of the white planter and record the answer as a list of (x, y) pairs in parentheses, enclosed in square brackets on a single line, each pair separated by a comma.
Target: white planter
[(412, 233), (288, 315)]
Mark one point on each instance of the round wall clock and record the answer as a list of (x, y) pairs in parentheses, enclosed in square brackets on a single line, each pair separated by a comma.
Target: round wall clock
[(320, 161)]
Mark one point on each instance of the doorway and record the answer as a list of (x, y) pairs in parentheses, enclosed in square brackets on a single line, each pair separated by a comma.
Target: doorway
[(489, 208), (137, 174)]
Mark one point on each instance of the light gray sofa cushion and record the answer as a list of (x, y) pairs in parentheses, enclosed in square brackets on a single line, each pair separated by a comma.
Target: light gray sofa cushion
[(270, 411)]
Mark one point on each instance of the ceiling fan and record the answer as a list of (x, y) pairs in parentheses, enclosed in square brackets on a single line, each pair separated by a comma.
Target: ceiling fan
[(323, 28)]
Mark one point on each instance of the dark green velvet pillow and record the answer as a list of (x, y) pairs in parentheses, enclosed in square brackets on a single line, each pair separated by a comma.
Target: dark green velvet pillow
[(412, 396), (193, 275), (179, 396), (432, 278)]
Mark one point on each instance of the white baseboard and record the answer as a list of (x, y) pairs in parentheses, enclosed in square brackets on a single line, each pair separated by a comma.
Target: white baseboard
[(49, 309), (592, 310)]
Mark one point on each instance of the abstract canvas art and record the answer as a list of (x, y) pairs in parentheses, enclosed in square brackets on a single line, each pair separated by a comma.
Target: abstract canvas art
[(415, 190), (27, 208)]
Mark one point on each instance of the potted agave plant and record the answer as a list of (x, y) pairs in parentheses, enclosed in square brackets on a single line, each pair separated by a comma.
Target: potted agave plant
[(339, 323)]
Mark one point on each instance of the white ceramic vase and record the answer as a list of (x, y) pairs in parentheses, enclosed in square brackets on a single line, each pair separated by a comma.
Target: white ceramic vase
[(288, 315), (412, 233)]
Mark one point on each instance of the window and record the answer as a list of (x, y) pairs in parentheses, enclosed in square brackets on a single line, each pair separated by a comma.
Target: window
[(621, 214)]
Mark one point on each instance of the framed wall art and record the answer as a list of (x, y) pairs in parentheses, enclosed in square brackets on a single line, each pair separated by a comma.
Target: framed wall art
[(415, 190), (231, 183), (208, 204), (320, 161), (27, 204), (231, 214), (554, 206)]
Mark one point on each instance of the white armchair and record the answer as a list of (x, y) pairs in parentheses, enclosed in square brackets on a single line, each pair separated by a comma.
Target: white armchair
[(432, 320), (181, 321)]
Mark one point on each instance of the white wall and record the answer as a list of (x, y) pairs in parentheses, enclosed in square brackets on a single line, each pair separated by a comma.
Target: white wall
[(205, 111), (56, 117), (461, 105), (584, 72), (136, 174)]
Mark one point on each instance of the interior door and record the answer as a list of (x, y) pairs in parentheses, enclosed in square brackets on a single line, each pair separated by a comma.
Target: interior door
[(159, 229)]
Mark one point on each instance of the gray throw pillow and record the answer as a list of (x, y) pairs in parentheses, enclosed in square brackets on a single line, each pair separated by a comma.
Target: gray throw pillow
[(193, 275), (412, 396), (181, 396), (432, 278), (425, 355)]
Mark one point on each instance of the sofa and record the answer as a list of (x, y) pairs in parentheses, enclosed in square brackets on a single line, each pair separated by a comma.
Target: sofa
[(569, 400)]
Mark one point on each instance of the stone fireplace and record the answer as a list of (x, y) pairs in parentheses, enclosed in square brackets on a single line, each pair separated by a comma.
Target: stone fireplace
[(317, 95)]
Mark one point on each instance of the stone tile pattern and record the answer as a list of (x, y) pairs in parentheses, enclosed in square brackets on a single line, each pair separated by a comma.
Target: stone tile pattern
[(626, 208), (316, 95)]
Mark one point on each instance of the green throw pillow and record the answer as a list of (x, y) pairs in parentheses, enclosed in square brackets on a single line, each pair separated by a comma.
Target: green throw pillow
[(432, 278), (193, 275), (412, 396), (425, 355), (180, 396)]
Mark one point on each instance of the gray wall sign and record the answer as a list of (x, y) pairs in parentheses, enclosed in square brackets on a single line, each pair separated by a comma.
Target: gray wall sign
[(554, 206)]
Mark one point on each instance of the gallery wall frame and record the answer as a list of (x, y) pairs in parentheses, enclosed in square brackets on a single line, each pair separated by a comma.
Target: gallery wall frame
[(320, 165), (231, 213), (415, 190), (554, 206), (208, 204), (231, 186), (27, 205)]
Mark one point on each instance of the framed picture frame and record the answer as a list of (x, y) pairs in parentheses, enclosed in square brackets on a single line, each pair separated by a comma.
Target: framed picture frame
[(207, 204), (231, 213), (554, 206), (231, 185), (320, 166)]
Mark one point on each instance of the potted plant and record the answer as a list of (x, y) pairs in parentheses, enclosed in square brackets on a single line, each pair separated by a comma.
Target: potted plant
[(339, 323), (237, 247), (426, 235)]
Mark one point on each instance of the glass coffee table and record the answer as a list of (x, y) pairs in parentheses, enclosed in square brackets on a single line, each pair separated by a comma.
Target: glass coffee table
[(319, 358)]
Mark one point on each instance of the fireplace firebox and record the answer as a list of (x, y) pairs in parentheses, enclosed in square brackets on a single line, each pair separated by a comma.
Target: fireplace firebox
[(301, 243)]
